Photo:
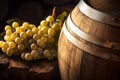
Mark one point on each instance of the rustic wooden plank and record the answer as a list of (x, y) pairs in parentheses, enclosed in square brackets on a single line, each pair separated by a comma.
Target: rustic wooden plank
[(44, 70), (18, 70), (3, 61), (18, 63)]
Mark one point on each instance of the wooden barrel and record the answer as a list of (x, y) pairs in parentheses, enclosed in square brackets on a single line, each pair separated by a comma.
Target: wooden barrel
[(89, 43)]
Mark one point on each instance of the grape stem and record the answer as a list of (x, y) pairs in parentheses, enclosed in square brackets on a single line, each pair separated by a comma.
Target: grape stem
[(53, 12)]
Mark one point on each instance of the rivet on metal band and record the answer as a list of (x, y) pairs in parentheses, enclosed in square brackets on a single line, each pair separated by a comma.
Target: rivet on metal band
[(98, 15), (89, 49)]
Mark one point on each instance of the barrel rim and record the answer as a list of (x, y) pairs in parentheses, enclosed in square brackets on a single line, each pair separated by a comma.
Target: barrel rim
[(98, 15)]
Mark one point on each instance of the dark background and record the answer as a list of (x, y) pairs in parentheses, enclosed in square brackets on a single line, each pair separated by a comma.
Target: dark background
[(32, 11)]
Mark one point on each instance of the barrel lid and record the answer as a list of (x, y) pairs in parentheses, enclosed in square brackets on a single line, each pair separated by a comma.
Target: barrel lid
[(111, 18)]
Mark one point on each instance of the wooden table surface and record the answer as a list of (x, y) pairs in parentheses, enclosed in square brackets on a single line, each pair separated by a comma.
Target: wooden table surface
[(17, 69)]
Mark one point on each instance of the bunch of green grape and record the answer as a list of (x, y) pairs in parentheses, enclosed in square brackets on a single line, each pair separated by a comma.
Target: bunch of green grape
[(32, 42)]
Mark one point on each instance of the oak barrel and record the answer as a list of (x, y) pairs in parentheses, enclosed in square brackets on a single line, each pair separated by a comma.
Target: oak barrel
[(89, 43)]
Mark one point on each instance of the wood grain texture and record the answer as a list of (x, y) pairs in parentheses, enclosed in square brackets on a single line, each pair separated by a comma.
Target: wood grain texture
[(77, 63)]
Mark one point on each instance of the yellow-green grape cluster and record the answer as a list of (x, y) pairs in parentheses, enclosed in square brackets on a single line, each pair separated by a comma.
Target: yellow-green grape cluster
[(32, 42)]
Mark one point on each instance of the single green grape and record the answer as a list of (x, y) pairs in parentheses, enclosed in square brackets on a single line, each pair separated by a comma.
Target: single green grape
[(33, 46), (14, 36), (39, 27), (34, 53), (10, 51), (8, 27), (45, 29), (40, 43), (15, 25), (12, 44), (25, 25), (5, 45), (29, 33), (9, 32), (43, 23), (23, 35), (46, 53), (51, 32), (36, 37), (21, 47), (18, 30), (18, 40), (28, 56), (7, 38), (40, 33), (44, 39), (50, 19), (35, 30)]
